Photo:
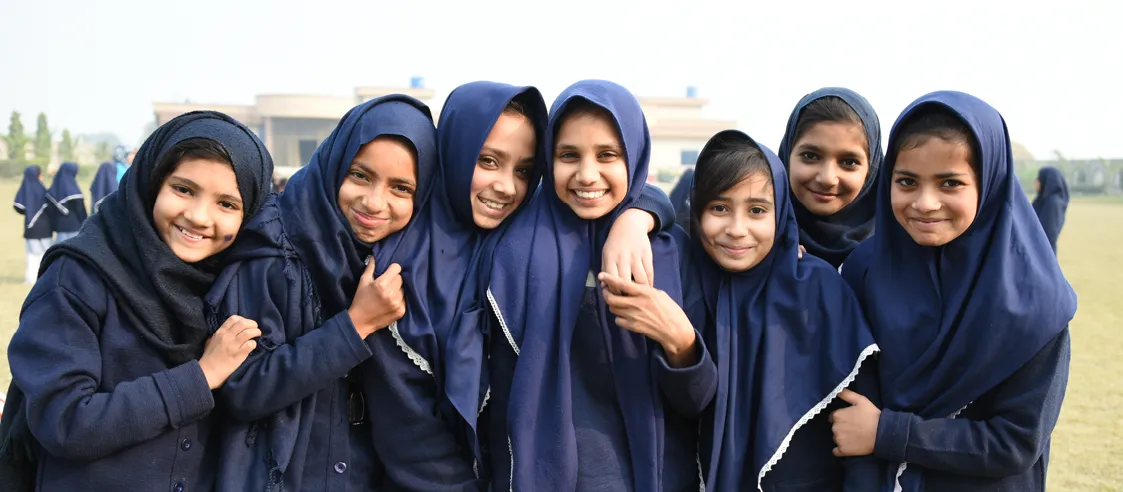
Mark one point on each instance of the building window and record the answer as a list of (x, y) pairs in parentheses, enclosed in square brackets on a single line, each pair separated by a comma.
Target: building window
[(689, 157), (307, 148)]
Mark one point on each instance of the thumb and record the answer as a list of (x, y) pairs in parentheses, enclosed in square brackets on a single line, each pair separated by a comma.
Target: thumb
[(618, 284), (852, 397), (368, 272)]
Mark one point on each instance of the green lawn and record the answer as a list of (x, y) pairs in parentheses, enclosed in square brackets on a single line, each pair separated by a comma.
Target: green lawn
[(1088, 444)]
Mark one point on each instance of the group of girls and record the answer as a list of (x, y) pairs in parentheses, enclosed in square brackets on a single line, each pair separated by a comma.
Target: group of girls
[(56, 213), (499, 302)]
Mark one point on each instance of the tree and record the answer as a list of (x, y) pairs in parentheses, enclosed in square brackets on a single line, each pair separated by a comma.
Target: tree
[(16, 139), (66, 147), (103, 152), (42, 140)]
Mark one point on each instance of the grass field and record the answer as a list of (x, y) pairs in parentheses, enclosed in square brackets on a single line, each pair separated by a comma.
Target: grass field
[(1088, 444)]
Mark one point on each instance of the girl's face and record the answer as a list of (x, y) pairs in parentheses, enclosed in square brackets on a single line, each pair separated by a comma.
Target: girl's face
[(503, 170), (739, 226), (198, 210), (377, 193), (935, 194), (590, 170), (828, 166)]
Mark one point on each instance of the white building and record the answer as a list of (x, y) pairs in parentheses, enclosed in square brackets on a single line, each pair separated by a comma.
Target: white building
[(292, 125)]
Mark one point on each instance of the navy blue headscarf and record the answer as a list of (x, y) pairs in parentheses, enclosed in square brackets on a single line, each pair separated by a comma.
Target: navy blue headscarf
[(443, 323), (31, 198), (1051, 202), (305, 224), (105, 182), (65, 186), (833, 238), (955, 321), (680, 197), (537, 284), (788, 333)]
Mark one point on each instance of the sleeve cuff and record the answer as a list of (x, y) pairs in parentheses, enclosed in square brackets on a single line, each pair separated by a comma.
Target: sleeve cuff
[(354, 345), (187, 396), (892, 436), (697, 382)]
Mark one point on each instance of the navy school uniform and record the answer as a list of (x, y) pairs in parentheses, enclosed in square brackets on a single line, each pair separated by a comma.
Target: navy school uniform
[(788, 335), (299, 403), (569, 382), (1051, 203), (107, 393), (107, 411), (974, 333), (69, 211)]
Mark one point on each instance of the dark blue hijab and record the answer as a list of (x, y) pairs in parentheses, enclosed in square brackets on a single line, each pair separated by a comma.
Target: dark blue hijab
[(31, 197), (105, 182), (1051, 202), (537, 284), (65, 186), (680, 197), (833, 238), (955, 321), (442, 325), (789, 335), (304, 224)]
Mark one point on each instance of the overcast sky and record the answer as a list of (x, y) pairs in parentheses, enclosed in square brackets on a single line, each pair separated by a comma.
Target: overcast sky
[(1054, 71)]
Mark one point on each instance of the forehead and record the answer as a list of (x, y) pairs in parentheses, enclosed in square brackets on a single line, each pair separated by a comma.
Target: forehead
[(834, 134), (756, 185), (586, 125), (387, 155)]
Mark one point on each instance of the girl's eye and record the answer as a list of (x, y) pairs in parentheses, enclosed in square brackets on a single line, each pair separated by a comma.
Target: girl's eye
[(809, 156), (523, 173), (358, 175), (757, 210), (719, 209), (228, 205), (952, 183), (182, 189), (851, 164), (403, 189), (568, 155), (907, 182), (607, 156), (488, 162)]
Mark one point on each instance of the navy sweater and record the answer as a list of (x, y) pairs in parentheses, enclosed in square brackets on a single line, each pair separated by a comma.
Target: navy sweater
[(999, 442), (107, 412)]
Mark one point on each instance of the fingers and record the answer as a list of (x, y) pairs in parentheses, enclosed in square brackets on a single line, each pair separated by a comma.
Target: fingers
[(838, 452), (610, 267), (649, 269), (229, 323), (395, 270), (852, 397), (639, 273), (619, 285)]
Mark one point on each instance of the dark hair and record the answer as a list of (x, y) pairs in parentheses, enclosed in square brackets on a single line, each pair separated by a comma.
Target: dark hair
[(935, 122), (581, 107), (196, 148), (519, 106), (829, 109), (734, 161)]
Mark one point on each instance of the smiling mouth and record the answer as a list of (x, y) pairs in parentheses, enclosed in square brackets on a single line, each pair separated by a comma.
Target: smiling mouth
[(589, 196), (188, 234), (493, 205), (367, 221), (731, 251)]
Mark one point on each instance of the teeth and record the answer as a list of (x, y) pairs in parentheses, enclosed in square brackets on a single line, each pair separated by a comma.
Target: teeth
[(188, 234), (493, 205), (589, 195)]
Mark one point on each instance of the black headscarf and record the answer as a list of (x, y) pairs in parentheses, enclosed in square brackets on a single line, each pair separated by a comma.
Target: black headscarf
[(159, 294)]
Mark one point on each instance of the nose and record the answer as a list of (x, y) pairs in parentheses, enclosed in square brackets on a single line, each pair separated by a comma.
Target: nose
[(827, 176), (738, 226), (198, 214), (505, 184), (588, 172), (375, 198), (926, 201)]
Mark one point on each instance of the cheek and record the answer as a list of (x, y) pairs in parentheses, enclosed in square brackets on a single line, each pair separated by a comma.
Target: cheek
[(798, 172), (347, 194), (480, 180), (711, 227), (616, 174), (401, 210), (855, 180), (967, 206)]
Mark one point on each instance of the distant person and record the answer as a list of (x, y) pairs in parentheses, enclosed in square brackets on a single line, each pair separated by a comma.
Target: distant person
[(121, 160), (69, 211), (113, 364), (31, 201), (832, 152), (105, 182), (680, 197), (1051, 202), (280, 186)]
